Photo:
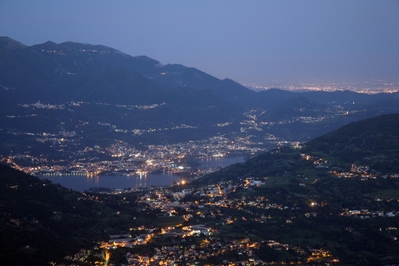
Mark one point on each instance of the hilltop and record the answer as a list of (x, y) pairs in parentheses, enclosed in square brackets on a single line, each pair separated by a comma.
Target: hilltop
[(374, 141)]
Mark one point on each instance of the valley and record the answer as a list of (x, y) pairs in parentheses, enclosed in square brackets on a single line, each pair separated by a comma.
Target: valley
[(75, 144), (317, 187), (310, 204)]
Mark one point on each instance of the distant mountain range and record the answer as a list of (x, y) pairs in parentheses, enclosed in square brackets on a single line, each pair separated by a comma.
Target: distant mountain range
[(95, 84), (74, 72)]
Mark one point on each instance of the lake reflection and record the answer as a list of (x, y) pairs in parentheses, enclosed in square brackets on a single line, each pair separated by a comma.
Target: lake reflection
[(220, 162), (82, 182)]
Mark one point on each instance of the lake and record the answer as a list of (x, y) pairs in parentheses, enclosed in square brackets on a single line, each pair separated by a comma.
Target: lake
[(82, 182), (220, 162)]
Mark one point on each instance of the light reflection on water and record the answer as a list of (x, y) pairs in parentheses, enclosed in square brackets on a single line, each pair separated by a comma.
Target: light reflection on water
[(220, 162), (82, 182)]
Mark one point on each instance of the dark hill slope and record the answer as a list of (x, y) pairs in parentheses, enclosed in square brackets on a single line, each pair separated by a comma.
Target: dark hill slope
[(173, 75), (373, 142), (272, 98), (118, 86), (40, 221), (79, 57), (377, 136)]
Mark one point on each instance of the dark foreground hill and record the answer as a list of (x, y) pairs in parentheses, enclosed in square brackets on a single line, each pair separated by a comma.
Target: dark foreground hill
[(40, 221)]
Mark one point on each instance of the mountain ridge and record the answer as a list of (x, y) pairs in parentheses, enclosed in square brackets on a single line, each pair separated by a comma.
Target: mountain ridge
[(66, 58), (139, 94)]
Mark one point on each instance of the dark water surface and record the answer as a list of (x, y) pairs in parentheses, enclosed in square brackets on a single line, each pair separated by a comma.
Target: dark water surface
[(220, 162), (81, 182)]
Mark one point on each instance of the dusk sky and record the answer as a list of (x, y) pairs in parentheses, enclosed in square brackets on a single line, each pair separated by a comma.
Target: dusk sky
[(247, 41)]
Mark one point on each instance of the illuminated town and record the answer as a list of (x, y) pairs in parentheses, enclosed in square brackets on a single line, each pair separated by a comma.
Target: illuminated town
[(368, 87), (199, 217)]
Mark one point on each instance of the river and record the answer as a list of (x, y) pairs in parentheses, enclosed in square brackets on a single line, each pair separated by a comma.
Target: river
[(82, 182)]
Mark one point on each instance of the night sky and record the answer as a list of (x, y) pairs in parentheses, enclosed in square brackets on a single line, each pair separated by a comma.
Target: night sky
[(248, 41)]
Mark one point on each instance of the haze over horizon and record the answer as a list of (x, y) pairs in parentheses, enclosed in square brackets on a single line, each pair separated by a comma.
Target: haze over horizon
[(258, 42)]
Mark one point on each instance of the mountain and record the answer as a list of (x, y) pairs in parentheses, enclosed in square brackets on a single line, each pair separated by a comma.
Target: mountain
[(100, 95), (72, 71)]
